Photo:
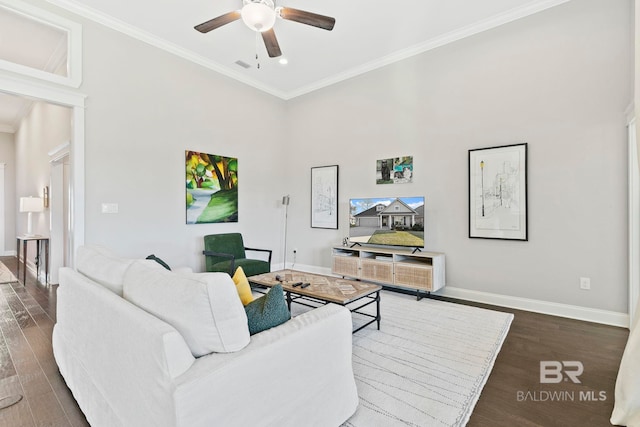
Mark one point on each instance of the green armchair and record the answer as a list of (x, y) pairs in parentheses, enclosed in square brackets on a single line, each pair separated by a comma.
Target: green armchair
[(226, 252)]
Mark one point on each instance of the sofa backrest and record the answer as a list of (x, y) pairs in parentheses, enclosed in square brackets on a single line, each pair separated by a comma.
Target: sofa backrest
[(204, 307), (102, 266)]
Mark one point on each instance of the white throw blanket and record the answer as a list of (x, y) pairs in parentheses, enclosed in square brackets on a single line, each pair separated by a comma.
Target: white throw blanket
[(626, 411)]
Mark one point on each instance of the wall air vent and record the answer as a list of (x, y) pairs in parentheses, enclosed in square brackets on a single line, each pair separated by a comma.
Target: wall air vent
[(242, 64)]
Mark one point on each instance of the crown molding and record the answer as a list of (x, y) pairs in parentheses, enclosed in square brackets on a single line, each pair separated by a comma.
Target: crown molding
[(470, 30), (146, 37), (7, 129)]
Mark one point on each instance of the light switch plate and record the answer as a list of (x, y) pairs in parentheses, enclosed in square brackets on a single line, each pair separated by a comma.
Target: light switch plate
[(109, 208)]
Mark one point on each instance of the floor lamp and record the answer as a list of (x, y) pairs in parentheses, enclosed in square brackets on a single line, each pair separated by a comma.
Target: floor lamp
[(285, 202), (30, 205)]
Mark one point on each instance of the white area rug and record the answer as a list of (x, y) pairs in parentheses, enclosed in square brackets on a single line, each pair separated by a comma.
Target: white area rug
[(6, 276), (427, 364)]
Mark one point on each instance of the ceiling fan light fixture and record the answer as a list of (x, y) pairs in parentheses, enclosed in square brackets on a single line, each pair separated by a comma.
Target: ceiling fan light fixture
[(259, 16)]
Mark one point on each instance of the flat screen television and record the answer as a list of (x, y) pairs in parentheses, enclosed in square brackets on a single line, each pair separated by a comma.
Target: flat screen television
[(394, 221)]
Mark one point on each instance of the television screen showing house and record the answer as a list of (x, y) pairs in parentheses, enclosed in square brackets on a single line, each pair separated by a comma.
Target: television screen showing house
[(396, 221)]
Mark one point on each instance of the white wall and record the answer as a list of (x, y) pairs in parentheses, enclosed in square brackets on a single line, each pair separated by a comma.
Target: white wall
[(45, 127), (8, 157), (146, 107), (559, 80)]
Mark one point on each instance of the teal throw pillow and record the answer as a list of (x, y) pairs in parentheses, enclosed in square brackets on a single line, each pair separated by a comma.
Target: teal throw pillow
[(268, 311), (159, 261)]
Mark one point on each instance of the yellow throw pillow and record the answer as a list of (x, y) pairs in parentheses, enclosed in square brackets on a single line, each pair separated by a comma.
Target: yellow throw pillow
[(242, 286)]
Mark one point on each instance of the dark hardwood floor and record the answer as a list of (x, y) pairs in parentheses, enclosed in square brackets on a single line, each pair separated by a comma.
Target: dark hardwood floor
[(513, 395), (27, 366)]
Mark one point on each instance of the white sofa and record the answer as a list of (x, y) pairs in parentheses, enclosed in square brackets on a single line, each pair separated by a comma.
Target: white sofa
[(127, 367)]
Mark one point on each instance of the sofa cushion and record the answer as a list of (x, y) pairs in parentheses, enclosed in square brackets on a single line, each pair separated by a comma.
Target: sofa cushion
[(203, 307), (242, 285), (102, 266), (268, 311)]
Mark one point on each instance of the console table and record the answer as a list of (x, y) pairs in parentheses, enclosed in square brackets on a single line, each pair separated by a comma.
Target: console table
[(40, 241), (401, 268)]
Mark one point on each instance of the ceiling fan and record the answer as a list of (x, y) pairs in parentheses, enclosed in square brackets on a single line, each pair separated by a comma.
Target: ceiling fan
[(260, 16)]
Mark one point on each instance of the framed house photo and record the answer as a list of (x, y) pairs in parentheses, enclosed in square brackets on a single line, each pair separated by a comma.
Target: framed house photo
[(324, 197), (498, 192)]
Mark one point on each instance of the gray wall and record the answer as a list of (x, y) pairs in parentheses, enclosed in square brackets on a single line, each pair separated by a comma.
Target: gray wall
[(560, 81)]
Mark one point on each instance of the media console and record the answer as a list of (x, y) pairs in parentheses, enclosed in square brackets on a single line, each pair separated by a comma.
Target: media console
[(419, 271)]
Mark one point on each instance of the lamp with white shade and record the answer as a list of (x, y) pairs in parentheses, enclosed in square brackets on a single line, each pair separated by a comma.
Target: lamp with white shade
[(30, 205)]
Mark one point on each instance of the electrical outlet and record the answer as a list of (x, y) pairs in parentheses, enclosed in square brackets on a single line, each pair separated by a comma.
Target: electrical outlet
[(585, 283)]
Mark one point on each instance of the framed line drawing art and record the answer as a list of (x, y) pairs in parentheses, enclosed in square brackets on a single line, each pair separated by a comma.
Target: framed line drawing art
[(324, 197), (498, 192)]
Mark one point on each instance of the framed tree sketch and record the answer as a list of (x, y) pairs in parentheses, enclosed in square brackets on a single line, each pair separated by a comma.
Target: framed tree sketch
[(498, 192), (324, 197)]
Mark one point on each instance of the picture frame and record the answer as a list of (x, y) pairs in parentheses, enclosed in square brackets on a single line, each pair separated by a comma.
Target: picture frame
[(324, 197), (498, 202), (211, 188), (395, 170)]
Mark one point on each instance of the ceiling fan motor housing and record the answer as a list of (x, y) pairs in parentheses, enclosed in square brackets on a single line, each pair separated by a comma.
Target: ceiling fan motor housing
[(259, 15)]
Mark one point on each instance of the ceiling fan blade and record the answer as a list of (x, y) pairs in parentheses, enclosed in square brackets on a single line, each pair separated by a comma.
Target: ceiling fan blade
[(221, 20), (320, 21), (271, 43)]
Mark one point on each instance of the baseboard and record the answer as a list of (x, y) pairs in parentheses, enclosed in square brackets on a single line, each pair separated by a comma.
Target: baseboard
[(586, 314), (8, 253), (309, 269)]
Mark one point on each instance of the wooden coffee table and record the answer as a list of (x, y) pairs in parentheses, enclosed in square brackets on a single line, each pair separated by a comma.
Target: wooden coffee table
[(324, 289)]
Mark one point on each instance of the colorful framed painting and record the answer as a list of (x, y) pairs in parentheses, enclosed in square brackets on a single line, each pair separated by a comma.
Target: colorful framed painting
[(324, 197), (498, 192), (212, 188), (396, 170)]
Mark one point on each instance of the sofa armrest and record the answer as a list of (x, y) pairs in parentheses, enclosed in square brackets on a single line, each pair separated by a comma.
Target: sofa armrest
[(231, 257), (303, 363), (130, 355)]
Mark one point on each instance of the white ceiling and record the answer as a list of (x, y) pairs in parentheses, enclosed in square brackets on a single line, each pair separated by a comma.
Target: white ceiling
[(367, 35)]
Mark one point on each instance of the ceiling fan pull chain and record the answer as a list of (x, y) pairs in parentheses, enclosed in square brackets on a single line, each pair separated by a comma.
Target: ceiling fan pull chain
[(257, 60)]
